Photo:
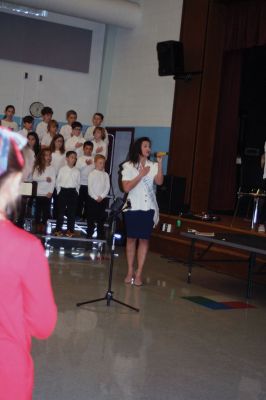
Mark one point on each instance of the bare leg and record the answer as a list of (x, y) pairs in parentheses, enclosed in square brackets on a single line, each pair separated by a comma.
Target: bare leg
[(131, 251), (141, 257)]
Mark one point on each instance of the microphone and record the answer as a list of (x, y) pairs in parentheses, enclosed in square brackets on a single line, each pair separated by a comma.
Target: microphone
[(160, 154), (127, 206)]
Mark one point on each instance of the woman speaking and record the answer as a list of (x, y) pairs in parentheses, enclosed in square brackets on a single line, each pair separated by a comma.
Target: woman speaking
[(27, 305), (139, 175)]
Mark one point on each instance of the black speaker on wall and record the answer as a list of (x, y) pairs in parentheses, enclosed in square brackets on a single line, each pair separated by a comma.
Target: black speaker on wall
[(171, 194), (170, 57)]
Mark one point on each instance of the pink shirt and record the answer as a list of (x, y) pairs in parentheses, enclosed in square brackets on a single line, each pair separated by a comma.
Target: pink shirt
[(27, 308)]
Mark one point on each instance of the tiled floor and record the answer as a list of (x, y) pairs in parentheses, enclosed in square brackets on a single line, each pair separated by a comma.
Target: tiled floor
[(173, 349)]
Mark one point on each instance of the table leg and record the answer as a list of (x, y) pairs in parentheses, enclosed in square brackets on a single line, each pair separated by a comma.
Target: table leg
[(190, 259), (251, 264), (255, 213)]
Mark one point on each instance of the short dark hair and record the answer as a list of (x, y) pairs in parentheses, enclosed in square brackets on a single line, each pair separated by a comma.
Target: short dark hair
[(47, 110), (135, 149), (9, 106), (76, 124), (99, 115), (28, 119), (70, 152), (71, 112), (87, 143)]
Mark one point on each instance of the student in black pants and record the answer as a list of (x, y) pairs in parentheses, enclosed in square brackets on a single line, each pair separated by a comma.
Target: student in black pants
[(98, 189), (67, 185)]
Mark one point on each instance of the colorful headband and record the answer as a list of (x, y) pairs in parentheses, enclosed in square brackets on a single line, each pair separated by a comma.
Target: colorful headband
[(8, 138)]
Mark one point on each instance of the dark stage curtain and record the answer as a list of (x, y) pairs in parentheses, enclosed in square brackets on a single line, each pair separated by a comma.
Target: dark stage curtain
[(245, 27), (223, 189), (246, 24)]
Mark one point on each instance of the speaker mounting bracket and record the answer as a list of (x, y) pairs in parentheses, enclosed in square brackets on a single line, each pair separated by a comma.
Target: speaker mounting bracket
[(186, 76)]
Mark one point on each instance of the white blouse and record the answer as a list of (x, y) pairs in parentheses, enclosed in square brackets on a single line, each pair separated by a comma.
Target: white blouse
[(44, 187), (58, 160), (29, 159), (46, 139), (66, 131), (98, 184), (71, 143), (96, 145), (84, 169), (139, 196), (10, 125), (41, 129), (68, 178)]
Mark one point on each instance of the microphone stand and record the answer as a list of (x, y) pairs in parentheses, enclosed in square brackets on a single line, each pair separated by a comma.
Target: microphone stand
[(109, 293)]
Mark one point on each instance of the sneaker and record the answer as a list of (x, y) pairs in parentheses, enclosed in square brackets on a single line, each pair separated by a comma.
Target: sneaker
[(261, 228), (58, 233)]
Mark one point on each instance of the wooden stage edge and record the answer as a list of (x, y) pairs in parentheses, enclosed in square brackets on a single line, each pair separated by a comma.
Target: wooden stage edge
[(173, 245)]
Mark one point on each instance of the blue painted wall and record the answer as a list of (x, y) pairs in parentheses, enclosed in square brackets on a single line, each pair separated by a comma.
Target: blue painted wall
[(160, 137)]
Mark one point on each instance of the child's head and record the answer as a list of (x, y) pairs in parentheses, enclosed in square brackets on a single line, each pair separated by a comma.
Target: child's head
[(99, 162), (33, 142), (71, 158), (97, 119), (43, 160), (58, 144), (99, 133), (76, 128), (47, 114), (28, 122), (87, 148), (52, 127), (9, 112), (71, 116)]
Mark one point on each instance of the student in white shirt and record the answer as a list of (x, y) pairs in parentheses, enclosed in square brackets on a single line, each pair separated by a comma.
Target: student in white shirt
[(27, 125), (29, 153), (85, 165), (99, 145), (7, 120), (76, 141), (44, 175), (66, 130), (98, 189), (41, 128), (57, 148), (47, 138), (67, 186), (139, 175), (97, 121)]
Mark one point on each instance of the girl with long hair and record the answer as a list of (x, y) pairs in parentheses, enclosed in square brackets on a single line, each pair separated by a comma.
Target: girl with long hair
[(44, 175), (58, 152)]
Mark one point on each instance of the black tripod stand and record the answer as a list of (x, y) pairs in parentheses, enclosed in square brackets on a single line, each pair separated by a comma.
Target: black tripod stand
[(109, 294)]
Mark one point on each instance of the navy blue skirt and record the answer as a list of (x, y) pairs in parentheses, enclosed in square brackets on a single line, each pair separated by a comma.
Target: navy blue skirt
[(139, 224)]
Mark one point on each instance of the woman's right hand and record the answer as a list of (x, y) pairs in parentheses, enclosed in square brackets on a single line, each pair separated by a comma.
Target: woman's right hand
[(145, 171)]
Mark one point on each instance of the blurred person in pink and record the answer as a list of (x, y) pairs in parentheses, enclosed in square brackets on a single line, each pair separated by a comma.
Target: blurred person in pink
[(27, 306)]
